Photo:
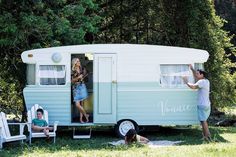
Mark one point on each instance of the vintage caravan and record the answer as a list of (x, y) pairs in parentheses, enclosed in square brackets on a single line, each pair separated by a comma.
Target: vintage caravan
[(128, 85)]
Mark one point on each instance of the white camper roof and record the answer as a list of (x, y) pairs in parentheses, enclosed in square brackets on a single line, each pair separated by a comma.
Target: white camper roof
[(195, 55)]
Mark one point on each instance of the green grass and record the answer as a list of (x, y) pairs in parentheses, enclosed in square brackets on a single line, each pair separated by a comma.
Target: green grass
[(225, 145)]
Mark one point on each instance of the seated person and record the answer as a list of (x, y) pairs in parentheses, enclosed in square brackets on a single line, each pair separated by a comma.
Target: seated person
[(132, 136), (39, 124)]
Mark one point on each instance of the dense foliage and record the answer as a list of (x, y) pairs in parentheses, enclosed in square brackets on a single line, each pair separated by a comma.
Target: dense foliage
[(184, 23), (29, 24), (227, 10)]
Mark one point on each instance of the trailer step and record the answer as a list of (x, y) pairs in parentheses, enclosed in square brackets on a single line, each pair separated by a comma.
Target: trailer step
[(82, 135)]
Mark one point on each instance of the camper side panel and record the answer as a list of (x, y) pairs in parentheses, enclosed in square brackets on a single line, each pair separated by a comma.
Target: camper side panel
[(55, 100), (141, 97)]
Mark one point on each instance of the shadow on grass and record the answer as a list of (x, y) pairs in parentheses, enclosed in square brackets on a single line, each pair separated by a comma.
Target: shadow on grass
[(189, 135), (101, 137)]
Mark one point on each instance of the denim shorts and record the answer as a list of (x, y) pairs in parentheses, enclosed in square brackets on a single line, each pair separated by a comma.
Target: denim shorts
[(203, 112), (80, 92)]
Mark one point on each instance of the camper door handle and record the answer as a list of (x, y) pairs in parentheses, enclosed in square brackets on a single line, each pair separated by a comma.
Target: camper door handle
[(114, 81)]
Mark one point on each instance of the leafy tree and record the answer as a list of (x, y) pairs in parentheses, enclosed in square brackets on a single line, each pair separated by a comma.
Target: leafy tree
[(184, 23), (196, 25), (227, 10), (129, 21), (30, 24)]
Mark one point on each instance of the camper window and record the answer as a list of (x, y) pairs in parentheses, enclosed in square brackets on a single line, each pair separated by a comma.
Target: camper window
[(171, 75), (52, 74), (30, 74), (198, 66)]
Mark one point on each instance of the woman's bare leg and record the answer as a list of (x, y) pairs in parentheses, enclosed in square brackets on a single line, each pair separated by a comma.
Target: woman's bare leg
[(205, 130), (86, 115), (81, 110), (87, 118), (81, 118)]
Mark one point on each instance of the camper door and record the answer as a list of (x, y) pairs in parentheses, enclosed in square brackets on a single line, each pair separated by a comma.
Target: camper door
[(105, 88)]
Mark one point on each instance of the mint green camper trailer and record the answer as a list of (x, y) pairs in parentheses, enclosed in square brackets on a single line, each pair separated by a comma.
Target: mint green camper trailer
[(128, 85)]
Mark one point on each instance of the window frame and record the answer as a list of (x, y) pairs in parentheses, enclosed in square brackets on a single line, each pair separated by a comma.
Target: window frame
[(35, 74), (39, 82), (178, 86)]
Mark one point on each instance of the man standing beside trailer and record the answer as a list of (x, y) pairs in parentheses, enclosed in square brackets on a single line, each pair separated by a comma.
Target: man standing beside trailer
[(204, 105)]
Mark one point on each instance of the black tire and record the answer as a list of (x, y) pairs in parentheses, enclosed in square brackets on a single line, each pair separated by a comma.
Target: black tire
[(120, 132)]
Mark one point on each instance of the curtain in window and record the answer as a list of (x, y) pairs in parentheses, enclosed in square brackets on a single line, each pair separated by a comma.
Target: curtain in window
[(52, 74), (198, 66), (171, 75)]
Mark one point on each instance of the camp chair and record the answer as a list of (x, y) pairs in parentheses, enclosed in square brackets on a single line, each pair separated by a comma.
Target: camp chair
[(5, 135), (31, 115)]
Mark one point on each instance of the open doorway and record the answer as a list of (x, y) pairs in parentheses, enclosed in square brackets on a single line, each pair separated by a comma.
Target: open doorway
[(86, 102)]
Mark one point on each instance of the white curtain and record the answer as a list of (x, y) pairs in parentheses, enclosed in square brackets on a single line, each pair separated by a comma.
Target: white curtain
[(52, 74), (198, 66), (171, 75)]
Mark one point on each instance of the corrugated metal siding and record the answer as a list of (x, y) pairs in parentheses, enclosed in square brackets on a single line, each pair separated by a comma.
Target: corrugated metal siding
[(160, 107), (55, 100)]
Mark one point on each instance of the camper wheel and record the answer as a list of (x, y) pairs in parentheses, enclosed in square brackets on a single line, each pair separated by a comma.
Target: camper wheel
[(123, 127)]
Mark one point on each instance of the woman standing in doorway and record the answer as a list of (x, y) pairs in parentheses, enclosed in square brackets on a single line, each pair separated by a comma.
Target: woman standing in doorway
[(79, 89)]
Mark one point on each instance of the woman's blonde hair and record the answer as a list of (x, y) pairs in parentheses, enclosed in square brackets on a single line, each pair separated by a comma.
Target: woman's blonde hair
[(73, 63)]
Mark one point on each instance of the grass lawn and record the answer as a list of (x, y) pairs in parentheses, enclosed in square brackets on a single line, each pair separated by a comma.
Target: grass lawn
[(225, 145)]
